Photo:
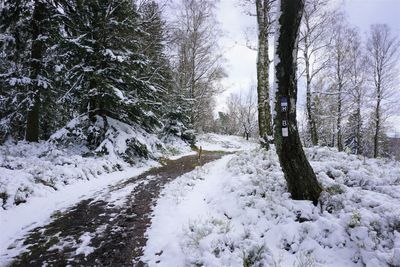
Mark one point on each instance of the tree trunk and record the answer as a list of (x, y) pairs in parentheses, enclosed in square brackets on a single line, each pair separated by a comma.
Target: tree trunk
[(377, 122), (310, 116), (359, 149), (301, 180), (32, 119), (339, 121), (264, 111)]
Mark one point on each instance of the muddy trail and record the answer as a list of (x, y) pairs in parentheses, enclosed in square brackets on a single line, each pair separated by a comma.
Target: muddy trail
[(105, 230)]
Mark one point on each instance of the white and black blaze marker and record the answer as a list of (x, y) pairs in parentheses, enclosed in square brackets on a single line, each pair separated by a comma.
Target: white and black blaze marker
[(284, 116)]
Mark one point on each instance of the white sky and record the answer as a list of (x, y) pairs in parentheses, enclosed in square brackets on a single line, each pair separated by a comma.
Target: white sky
[(241, 61)]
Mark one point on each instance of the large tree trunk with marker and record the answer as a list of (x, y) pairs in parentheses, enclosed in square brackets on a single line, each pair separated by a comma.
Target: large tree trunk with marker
[(301, 180)]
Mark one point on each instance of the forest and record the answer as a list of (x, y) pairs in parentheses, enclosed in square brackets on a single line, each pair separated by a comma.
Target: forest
[(116, 114)]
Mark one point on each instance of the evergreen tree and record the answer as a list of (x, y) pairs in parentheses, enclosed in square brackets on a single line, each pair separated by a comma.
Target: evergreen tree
[(27, 36), (353, 139), (107, 70)]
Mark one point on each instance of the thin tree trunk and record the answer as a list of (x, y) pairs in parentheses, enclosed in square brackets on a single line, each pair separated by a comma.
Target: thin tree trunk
[(377, 122), (339, 121), (359, 123), (301, 180), (310, 116), (32, 119), (264, 111)]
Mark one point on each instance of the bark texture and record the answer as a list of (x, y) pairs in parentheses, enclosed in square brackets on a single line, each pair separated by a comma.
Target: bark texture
[(301, 180)]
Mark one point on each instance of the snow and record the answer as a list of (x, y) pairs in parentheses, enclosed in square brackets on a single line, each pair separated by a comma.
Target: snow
[(236, 212), (175, 147), (37, 179), (84, 247), (182, 197), (18, 220), (230, 143), (394, 130)]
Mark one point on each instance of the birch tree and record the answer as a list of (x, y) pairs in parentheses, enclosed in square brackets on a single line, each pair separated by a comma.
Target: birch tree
[(339, 72), (265, 22), (300, 177), (314, 38), (383, 55), (357, 92), (198, 61)]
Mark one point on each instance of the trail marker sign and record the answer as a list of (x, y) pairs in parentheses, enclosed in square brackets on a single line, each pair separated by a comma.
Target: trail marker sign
[(284, 116)]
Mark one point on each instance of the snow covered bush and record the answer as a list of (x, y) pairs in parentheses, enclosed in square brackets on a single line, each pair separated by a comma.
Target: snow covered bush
[(240, 214), (111, 137)]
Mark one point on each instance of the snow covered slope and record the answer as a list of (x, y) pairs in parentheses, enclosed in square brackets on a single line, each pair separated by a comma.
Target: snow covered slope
[(237, 212), (39, 169)]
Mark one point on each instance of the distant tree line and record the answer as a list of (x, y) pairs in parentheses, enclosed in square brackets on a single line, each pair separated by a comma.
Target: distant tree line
[(351, 83)]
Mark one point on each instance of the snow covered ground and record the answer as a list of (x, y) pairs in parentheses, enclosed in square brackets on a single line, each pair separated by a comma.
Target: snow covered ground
[(37, 179), (19, 220), (229, 143), (236, 212)]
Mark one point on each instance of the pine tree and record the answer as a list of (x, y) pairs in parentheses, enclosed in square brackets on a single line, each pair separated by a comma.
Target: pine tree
[(107, 71), (27, 36), (353, 137)]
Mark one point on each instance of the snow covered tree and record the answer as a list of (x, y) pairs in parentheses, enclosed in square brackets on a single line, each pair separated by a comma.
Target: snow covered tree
[(243, 110), (28, 31), (197, 57), (354, 133), (177, 117), (301, 180), (174, 110), (339, 69), (383, 53), (108, 73), (357, 92), (314, 38)]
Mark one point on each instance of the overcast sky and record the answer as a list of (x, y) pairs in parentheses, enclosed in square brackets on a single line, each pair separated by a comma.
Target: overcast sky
[(241, 61)]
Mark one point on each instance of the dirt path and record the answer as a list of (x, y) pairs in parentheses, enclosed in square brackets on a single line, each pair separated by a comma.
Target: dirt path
[(110, 232)]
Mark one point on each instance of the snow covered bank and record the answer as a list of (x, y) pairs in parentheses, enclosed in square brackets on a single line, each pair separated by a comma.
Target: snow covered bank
[(236, 212), (38, 169), (17, 221), (37, 179)]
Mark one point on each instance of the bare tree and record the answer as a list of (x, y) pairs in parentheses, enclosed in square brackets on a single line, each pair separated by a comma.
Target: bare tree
[(340, 66), (243, 109), (198, 61), (300, 177), (383, 54), (357, 92), (314, 38)]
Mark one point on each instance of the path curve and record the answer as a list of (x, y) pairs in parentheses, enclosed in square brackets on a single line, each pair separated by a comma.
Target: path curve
[(97, 232)]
